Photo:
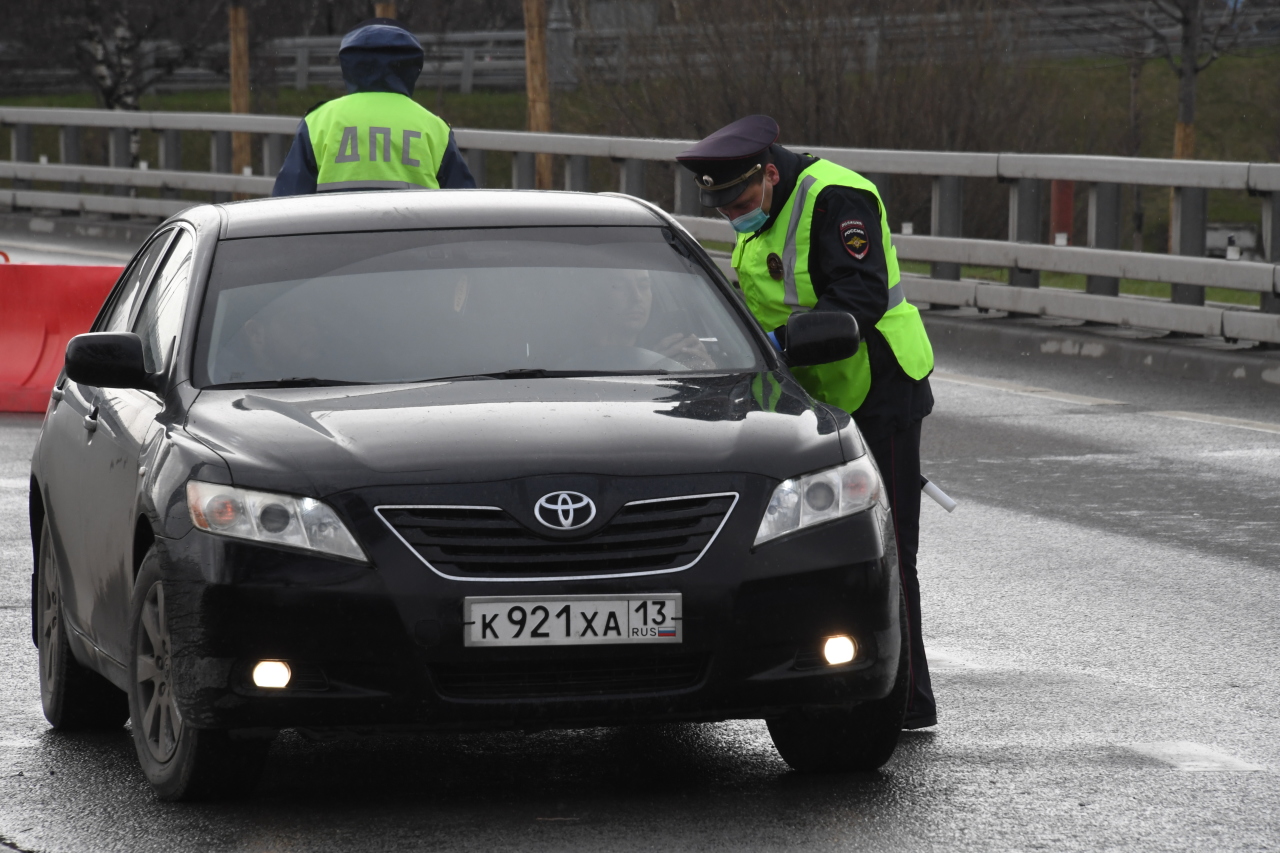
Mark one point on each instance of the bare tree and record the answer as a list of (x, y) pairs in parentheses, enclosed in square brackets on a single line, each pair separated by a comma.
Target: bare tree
[(1189, 35), (921, 74), (1206, 29), (121, 47), (1136, 46), (1136, 64)]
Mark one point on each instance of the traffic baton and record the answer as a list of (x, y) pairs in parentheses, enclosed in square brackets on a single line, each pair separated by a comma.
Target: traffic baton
[(943, 499)]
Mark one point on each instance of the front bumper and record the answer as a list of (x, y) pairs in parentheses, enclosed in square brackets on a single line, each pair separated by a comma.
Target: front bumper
[(382, 645)]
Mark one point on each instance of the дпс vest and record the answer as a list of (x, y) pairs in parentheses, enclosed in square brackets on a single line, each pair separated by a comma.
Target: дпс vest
[(842, 383), (376, 140)]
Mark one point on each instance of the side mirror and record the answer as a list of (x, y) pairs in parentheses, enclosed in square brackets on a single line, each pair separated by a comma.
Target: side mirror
[(108, 360), (820, 337)]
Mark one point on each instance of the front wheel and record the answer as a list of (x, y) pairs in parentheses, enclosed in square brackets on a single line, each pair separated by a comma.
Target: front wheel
[(72, 696), (181, 762), (818, 740)]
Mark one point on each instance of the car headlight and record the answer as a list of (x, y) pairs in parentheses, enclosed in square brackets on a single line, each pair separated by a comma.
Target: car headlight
[(822, 496), (266, 517)]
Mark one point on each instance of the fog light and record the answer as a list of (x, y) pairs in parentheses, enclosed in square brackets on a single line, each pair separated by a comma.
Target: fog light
[(836, 650), (275, 673)]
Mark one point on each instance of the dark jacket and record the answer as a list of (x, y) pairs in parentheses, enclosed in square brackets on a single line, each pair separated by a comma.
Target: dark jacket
[(379, 56)]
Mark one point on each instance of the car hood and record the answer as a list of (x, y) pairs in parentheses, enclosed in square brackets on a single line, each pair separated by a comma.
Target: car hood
[(323, 440)]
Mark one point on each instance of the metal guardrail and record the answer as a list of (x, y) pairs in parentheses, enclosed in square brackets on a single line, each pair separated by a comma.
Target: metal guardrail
[(1140, 312), (1204, 272), (148, 120), (1147, 313), (1206, 174), (945, 249), (116, 205), (154, 178)]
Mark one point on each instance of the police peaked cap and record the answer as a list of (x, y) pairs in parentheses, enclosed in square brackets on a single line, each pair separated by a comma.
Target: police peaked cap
[(385, 34), (724, 162)]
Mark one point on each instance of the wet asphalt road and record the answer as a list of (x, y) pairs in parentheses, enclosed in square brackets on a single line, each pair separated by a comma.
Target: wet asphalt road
[(1102, 616)]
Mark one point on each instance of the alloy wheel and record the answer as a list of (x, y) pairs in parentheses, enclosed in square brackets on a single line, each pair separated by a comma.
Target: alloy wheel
[(161, 722)]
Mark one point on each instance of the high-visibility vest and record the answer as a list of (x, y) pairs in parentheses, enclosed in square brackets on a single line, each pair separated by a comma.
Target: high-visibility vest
[(376, 140), (772, 300)]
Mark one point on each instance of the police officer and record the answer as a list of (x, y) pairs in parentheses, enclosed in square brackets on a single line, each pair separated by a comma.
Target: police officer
[(377, 136), (812, 235)]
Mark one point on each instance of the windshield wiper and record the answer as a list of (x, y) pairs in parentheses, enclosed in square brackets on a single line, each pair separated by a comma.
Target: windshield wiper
[(291, 382), (543, 373)]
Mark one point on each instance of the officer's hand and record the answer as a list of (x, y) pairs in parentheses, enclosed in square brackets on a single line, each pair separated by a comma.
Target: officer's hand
[(687, 350)]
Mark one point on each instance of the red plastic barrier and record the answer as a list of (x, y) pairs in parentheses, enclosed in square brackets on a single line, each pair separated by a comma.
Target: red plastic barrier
[(41, 308)]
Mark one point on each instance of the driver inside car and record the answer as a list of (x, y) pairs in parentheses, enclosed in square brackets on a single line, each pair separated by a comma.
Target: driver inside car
[(289, 338), (620, 313)]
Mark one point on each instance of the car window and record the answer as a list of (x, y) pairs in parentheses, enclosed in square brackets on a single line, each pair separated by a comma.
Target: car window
[(117, 319), (405, 306), (160, 317)]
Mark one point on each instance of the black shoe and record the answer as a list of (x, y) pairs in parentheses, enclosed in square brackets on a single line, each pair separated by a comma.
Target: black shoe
[(920, 720)]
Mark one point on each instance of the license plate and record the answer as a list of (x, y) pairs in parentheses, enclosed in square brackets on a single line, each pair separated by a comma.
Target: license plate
[(571, 620)]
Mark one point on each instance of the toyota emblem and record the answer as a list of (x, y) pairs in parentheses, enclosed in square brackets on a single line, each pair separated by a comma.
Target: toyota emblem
[(565, 510)]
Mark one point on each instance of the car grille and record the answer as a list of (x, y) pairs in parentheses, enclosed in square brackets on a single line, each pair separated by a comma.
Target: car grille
[(645, 536), (604, 677)]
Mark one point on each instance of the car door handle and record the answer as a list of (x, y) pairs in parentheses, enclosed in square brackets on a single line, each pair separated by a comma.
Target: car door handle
[(56, 395), (91, 420)]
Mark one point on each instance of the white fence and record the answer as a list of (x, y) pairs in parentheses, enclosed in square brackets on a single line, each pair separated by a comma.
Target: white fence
[(1102, 262)]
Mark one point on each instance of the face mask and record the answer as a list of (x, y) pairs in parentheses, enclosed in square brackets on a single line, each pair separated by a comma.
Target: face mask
[(749, 223)]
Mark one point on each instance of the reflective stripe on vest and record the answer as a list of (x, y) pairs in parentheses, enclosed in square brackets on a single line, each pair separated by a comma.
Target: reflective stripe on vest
[(791, 298), (843, 383), (343, 186), (376, 140)]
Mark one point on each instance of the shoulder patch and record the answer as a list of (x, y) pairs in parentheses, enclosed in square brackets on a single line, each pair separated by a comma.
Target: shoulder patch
[(853, 234)]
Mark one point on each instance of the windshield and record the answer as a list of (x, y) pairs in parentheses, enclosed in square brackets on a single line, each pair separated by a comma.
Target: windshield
[(405, 306)]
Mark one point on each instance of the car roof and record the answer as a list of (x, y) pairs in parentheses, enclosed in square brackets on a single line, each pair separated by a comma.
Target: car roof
[(397, 210)]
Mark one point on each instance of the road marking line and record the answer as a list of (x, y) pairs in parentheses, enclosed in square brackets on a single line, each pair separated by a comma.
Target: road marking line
[(1025, 390), (14, 482), (1240, 423), (1193, 757)]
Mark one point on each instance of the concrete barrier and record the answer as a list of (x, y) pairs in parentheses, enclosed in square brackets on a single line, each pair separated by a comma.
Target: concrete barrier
[(41, 308)]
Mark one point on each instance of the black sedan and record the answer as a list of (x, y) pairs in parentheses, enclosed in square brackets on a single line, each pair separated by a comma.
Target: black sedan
[(452, 460)]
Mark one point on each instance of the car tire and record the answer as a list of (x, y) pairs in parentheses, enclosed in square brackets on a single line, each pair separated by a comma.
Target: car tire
[(74, 697), (861, 738), (180, 761)]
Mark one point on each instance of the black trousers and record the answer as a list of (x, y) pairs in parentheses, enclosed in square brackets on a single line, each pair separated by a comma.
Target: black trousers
[(897, 453)]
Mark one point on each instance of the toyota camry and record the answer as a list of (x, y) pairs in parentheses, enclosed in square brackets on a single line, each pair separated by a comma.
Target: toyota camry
[(452, 460)]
